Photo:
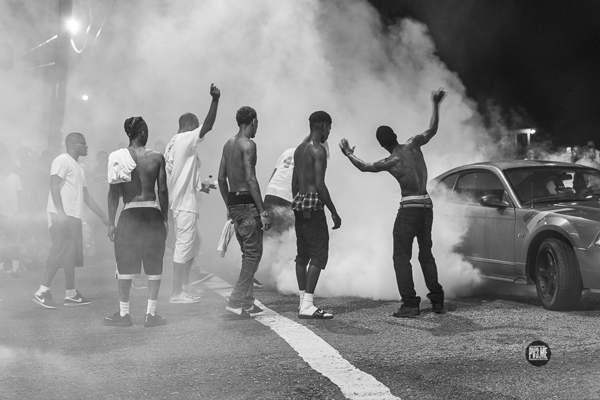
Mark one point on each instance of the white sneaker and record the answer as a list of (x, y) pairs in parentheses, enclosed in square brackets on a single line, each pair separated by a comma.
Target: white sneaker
[(185, 298), (192, 290)]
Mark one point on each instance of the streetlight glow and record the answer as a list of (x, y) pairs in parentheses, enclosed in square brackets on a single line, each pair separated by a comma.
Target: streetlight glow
[(72, 26), (85, 97)]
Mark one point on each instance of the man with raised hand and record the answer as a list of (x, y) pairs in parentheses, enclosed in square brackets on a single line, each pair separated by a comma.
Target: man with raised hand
[(183, 181), (415, 216), (241, 194)]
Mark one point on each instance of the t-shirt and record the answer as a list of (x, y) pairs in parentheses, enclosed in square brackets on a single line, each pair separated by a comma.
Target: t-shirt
[(182, 165), (71, 187), (9, 186), (280, 184)]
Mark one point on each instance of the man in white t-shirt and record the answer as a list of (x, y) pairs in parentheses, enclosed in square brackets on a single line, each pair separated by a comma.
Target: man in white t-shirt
[(183, 181), (10, 232), (68, 194)]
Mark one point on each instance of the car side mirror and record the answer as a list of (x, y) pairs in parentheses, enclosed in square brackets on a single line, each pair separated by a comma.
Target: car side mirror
[(491, 200)]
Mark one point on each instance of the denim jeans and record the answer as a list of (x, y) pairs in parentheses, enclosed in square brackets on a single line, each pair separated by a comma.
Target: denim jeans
[(248, 230), (411, 223)]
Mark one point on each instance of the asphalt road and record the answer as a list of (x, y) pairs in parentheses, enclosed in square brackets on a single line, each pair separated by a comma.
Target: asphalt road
[(475, 351)]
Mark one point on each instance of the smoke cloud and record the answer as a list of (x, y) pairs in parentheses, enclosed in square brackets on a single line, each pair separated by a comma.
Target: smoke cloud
[(286, 59)]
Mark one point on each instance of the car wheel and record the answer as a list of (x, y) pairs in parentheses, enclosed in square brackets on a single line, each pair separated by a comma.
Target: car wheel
[(557, 277)]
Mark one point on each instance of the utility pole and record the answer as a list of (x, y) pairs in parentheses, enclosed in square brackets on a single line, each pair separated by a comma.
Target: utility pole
[(61, 69)]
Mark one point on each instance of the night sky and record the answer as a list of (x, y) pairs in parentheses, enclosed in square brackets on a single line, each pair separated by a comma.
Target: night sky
[(537, 60)]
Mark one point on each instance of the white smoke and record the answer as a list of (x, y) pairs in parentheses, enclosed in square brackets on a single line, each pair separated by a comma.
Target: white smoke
[(287, 59)]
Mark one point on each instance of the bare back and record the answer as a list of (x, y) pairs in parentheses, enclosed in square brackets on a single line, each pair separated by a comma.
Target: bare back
[(145, 175), (234, 162), (310, 163), (409, 168)]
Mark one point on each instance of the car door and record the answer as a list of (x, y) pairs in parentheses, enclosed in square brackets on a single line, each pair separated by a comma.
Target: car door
[(489, 243)]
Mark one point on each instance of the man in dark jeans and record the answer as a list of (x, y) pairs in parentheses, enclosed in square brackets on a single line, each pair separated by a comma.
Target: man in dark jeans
[(415, 216), (239, 187)]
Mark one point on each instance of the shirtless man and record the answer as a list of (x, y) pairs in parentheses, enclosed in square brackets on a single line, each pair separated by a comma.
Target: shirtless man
[(415, 216), (241, 194), (310, 195), (143, 224)]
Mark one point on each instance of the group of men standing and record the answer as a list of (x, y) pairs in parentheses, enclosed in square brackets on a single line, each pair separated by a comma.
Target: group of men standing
[(152, 183)]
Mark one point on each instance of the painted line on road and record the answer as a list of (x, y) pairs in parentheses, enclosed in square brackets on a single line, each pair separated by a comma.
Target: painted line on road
[(354, 383)]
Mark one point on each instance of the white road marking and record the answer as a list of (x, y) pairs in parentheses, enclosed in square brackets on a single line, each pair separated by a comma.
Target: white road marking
[(354, 383)]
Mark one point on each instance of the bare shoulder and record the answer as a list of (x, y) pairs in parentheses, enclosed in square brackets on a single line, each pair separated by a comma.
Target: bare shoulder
[(318, 151), (156, 154)]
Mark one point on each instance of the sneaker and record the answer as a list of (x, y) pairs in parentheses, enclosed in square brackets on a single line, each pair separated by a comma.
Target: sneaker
[(192, 290), (117, 320), (407, 312), (239, 312), (44, 299), (184, 298), (199, 277), (257, 284), (77, 300), (154, 320), (438, 308), (254, 309)]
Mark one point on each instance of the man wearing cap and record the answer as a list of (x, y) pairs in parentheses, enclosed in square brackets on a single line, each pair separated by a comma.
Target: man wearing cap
[(310, 197), (415, 216)]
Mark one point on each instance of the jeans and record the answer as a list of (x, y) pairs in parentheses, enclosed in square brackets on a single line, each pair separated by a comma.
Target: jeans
[(411, 223), (248, 230)]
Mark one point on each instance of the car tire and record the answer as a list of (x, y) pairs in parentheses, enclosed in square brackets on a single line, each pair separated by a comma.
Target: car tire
[(557, 277)]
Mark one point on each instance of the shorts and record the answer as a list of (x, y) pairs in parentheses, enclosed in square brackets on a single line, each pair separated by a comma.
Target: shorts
[(187, 236), (140, 238), (67, 243), (312, 238)]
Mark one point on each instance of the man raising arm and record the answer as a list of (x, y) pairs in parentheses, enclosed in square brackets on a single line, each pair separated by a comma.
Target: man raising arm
[(415, 216)]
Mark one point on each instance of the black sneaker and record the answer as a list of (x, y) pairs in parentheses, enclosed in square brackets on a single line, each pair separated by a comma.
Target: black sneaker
[(239, 312), (44, 299), (407, 312), (117, 320), (254, 309), (438, 308), (154, 320)]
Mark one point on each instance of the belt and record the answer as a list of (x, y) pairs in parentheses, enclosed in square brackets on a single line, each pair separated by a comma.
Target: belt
[(414, 205)]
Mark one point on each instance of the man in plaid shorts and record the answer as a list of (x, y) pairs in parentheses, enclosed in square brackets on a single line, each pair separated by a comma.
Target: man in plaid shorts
[(310, 197)]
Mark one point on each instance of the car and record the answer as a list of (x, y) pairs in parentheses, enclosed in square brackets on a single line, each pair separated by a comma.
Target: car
[(530, 222)]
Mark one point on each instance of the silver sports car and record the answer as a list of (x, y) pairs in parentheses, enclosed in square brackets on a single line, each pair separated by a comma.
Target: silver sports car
[(530, 222)]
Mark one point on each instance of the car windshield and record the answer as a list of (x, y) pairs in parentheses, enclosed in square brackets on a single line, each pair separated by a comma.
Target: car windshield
[(550, 183)]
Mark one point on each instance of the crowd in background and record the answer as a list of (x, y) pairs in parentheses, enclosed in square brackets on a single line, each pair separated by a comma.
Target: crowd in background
[(24, 180)]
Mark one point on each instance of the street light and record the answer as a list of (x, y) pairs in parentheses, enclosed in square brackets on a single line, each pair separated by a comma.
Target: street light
[(529, 132), (72, 26)]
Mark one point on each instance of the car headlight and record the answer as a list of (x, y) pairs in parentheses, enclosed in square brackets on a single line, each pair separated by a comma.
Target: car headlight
[(597, 241)]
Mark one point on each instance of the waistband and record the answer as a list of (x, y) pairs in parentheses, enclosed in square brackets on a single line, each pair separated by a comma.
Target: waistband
[(415, 205), (420, 197), (238, 198), (141, 204)]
